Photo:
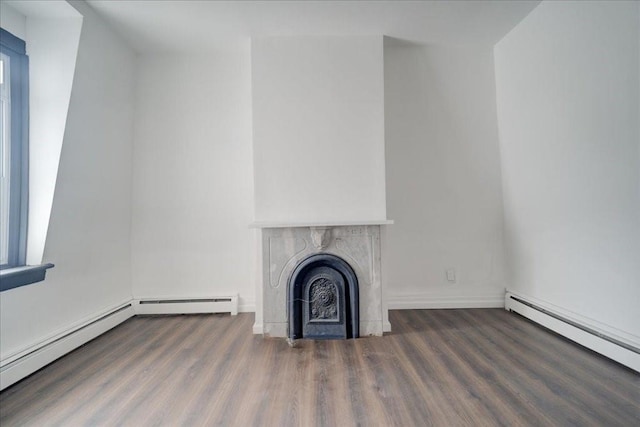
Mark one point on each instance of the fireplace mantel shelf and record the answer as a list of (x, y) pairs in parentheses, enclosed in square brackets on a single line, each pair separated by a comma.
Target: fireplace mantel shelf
[(293, 224)]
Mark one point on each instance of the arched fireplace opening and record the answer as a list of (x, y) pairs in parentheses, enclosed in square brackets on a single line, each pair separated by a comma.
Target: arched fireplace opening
[(322, 299)]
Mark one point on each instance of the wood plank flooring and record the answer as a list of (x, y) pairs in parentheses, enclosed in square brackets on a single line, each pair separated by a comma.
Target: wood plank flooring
[(480, 367)]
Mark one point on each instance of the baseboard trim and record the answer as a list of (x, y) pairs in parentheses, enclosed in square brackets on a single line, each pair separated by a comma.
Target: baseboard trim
[(258, 328), (246, 306), (386, 327), (20, 365), (419, 302), (615, 345)]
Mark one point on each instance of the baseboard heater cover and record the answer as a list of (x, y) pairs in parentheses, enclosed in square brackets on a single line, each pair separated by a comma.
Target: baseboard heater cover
[(20, 365), (589, 336), (217, 304), (428, 302)]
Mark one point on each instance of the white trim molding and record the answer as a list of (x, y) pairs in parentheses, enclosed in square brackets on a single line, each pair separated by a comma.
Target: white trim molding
[(246, 305), (258, 328), (611, 342)]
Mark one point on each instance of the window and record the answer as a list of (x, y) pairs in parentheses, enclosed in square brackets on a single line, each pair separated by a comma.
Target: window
[(14, 171), (14, 128)]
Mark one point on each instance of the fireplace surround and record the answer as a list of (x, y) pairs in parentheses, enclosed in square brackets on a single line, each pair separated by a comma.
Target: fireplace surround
[(303, 264)]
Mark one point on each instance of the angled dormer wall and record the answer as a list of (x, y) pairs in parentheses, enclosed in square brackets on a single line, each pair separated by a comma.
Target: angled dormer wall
[(568, 90), (88, 229)]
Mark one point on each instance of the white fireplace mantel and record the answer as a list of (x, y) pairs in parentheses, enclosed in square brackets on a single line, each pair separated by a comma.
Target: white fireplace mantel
[(332, 223)]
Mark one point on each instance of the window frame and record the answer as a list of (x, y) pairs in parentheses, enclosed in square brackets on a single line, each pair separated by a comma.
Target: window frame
[(15, 273), (15, 49)]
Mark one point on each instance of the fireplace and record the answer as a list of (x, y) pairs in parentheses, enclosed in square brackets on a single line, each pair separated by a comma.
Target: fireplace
[(319, 184), (322, 299), (320, 281)]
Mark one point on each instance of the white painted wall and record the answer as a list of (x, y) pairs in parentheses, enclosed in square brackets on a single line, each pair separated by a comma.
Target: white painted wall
[(13, 21), (443, 177), (89, 230), (52, 46), (567, 92), (193, 178), (318, 128), (193, 173)]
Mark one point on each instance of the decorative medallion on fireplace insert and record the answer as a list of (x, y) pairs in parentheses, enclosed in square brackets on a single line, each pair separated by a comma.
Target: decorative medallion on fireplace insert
[(323, 299)]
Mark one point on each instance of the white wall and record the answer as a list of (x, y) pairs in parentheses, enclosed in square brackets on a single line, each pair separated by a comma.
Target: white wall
[(52, 46), (193, 173), (318, 128), (443, 177), (13, 21), (567, 91), (193, 188), (89, 231)]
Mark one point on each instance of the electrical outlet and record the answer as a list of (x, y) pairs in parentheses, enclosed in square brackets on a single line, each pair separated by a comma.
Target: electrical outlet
[(451, 275)]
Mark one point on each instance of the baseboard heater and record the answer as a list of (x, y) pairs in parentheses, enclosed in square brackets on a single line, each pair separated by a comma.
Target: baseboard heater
[(609, 344), (218, 304), (19, 365)]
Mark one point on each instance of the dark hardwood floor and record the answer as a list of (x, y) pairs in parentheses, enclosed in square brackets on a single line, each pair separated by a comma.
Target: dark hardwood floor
[(439, 367)]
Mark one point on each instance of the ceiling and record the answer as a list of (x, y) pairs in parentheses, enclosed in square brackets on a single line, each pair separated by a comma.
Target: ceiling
[(190, 25)]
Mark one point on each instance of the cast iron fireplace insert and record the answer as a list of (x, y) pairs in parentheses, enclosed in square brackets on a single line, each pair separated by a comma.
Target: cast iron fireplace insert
[(323, 299)]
